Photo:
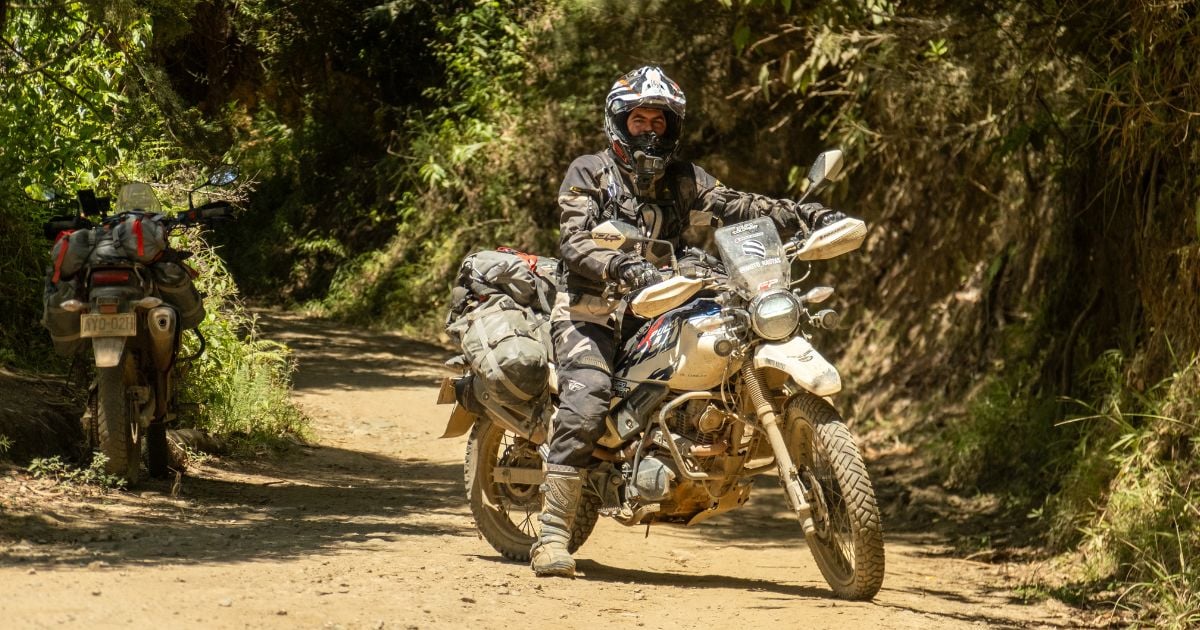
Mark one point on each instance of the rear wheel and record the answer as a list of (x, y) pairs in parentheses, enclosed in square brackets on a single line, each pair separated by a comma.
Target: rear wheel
[(848, 541), (507, 513), (116, 426)]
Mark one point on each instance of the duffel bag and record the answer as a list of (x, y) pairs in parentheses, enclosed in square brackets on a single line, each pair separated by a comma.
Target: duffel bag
[(140, 237), (69, 254), (508, 349), (527, 279)]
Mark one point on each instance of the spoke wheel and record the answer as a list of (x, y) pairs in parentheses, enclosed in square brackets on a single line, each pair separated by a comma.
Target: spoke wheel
[(848, 540), (507, 513)]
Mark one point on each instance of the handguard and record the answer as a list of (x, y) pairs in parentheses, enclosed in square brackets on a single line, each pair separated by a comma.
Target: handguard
[(659, 298), (833, 240)]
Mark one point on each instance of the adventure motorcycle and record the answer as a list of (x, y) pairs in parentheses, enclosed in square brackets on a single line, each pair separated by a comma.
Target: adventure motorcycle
[(720, 384), (117, 283)]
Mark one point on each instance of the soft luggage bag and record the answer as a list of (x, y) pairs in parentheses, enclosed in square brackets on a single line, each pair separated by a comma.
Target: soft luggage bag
[(140, 237), (69, 254), (508, 349), (531, 281), (175, 287), (63, 325)]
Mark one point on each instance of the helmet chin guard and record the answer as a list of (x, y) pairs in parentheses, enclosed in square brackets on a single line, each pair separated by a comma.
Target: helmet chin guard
[(649, 163), (648, 154)]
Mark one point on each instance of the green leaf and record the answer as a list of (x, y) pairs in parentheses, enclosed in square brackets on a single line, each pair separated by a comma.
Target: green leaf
[(741, 37)]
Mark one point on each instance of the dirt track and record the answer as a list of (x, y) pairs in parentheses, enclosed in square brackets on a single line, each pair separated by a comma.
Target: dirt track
[(369, 528)]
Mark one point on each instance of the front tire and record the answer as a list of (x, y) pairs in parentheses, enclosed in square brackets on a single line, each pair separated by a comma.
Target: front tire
[(506, 514), (848, 541), (115, 423)]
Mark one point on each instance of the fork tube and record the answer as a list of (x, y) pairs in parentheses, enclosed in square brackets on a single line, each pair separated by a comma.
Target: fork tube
[(768, 419)]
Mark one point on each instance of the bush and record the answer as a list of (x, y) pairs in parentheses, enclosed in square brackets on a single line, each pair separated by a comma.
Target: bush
[(241, 382)]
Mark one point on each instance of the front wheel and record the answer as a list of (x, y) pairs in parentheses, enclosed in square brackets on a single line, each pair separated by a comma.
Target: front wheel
[(848, 540), (506, 513), (115, 423)]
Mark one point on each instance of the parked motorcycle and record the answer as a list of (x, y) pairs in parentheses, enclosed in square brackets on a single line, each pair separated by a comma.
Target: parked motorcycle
[(114, 281), (720, 384)]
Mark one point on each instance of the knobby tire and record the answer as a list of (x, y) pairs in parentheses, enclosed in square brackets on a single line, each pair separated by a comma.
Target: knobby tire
[(855, 568), (490, 507), (114, 428)]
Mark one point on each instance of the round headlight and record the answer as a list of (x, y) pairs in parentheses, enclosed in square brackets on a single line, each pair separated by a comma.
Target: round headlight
[(775, 315)]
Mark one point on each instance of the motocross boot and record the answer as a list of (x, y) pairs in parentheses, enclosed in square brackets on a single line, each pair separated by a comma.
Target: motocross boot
[(561, 494)]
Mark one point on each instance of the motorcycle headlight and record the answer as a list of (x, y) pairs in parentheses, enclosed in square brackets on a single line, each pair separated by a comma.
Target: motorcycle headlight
[(775, 315)]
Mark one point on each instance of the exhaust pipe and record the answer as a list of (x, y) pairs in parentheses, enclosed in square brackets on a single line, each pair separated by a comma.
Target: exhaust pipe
[(160, 321)]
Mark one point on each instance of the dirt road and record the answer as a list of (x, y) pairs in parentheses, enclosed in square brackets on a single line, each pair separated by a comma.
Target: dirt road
[(369, 528)]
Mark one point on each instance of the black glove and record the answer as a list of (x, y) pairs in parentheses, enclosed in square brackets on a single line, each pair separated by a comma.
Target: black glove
[(818, 216), (635, 273)]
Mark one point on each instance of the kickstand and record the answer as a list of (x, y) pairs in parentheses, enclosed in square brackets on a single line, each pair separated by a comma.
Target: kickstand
[(647, 530)]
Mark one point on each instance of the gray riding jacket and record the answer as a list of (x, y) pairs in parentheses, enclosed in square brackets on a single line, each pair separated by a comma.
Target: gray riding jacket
[(684, 207)]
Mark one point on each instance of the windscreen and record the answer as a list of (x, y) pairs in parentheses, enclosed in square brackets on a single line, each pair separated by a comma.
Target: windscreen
[(753, 256), (137, 196)]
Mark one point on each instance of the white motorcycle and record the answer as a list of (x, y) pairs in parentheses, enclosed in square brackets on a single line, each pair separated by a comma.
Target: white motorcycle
[(719, 385)]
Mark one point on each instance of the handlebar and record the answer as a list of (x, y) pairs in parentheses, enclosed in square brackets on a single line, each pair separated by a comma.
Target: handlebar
[(213, 212)]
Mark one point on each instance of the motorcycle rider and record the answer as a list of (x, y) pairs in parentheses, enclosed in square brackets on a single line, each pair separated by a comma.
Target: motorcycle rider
[(635, 180)]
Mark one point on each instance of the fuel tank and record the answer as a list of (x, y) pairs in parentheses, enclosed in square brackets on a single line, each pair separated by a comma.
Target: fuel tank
[(688, 348)]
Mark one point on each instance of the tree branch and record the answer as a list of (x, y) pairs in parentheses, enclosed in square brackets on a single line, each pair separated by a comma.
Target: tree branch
[(49, 75)]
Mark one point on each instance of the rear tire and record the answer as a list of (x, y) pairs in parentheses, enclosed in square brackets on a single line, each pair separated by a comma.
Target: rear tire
[(115, 423), (507, 514), (848, 541)]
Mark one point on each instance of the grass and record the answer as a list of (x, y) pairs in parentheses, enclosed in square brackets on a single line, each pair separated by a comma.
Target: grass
[(1131, 503), (242, 382), (61, 472)]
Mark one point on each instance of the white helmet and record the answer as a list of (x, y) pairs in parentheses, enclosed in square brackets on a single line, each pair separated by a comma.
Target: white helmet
[(647, 86)]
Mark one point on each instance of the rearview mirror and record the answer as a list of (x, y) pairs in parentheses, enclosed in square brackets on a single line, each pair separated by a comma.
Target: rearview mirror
[(223, 176), (38, 192), (827, 167)]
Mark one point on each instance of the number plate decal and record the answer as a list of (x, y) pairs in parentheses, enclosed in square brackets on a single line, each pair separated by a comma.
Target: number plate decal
[(111, 325)]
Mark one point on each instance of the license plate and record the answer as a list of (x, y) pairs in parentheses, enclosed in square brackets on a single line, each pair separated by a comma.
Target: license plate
[(108, 325)]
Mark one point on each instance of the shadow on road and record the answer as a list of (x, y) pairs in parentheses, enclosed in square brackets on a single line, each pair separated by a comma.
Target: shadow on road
[(313, 501), (334, 357), (592, 570)]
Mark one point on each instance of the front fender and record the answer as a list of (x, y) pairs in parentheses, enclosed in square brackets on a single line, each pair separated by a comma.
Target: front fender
[(798, 359)]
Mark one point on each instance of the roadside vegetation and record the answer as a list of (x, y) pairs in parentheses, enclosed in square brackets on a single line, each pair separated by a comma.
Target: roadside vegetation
[(82, 106), (1024, 314)]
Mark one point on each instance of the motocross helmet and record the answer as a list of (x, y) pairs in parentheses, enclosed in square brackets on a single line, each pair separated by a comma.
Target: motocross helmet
[(647, 86)]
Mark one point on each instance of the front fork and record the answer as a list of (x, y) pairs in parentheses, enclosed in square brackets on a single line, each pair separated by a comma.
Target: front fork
[(768, 419)]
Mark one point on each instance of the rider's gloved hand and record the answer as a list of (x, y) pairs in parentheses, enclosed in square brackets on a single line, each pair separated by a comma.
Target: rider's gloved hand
[(817, 216), (633, 272)]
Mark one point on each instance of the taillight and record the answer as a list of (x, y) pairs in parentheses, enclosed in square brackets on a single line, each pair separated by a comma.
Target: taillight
[(110, 276)]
